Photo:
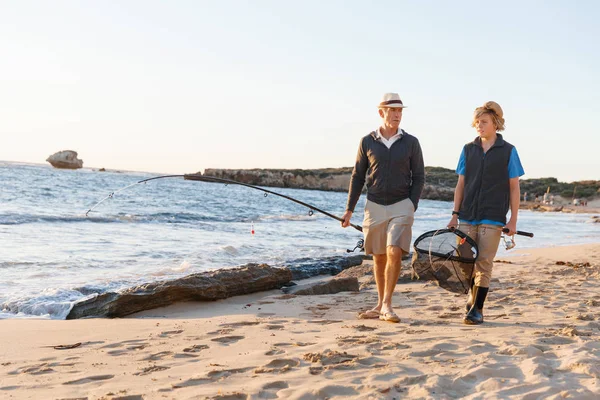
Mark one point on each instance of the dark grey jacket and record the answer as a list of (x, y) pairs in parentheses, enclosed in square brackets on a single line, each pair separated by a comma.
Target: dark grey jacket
[(487, 187), (392, 175)]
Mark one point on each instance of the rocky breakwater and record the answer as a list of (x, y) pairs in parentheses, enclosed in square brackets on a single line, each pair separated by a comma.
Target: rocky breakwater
[(441, 187), (330, 179), (207, 286), (65, 159)]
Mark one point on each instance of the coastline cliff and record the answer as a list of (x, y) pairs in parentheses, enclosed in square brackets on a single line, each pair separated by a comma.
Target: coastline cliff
[(439, 182)]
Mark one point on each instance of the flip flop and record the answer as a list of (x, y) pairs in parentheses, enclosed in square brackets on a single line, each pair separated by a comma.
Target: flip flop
[(389, 316), (371, 314)]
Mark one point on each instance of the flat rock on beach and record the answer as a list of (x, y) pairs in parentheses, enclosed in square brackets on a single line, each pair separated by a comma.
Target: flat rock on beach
[(540, 340)]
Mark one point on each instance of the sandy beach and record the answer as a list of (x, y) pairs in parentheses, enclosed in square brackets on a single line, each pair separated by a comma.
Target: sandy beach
[(540, 340)]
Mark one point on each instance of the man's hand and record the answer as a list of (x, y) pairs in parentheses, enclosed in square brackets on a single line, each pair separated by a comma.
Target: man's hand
[(346, 219), (512, 227), (453, 222)]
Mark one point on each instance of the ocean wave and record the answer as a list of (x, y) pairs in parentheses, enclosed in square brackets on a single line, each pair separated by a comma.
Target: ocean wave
[(162, 217), (50, 303)]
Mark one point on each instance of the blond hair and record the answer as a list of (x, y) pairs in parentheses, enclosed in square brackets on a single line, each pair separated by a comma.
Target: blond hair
[(492, 109)]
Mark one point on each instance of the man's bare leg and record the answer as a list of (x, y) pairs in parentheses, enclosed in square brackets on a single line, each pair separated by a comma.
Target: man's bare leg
[(379, 264), (392, 271)]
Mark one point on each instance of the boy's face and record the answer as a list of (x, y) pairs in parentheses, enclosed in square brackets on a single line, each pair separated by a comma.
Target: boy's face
[(485, 126)]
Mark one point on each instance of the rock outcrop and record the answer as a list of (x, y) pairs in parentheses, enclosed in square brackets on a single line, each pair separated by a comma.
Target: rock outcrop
[(307, 267), (207, 286), (328, 179), (65, 159), (330, 286)]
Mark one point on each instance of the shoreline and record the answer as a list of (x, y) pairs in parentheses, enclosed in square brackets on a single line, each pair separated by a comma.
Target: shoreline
[(540, 339), (560, 208)]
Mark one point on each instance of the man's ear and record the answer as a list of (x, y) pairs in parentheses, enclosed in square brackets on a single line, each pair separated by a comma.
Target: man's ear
[(381, 112)]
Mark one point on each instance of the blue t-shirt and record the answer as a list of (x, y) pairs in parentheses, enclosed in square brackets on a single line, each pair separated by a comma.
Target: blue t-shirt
[(515, 170)]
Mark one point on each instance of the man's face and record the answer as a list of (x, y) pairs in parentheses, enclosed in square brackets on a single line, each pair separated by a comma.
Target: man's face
[(391, 117), (485, 126)]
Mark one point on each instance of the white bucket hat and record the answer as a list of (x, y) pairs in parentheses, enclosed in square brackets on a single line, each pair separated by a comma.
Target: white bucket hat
[(391, 100)]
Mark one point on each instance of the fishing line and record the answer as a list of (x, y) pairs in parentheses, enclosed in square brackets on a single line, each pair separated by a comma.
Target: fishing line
[(214, 179)]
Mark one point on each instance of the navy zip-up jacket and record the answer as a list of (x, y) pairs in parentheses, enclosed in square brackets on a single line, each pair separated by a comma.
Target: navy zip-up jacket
[(487, 186)]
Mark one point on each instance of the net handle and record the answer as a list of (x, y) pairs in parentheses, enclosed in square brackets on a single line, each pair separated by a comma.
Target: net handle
[(522, 233), (504, 230)]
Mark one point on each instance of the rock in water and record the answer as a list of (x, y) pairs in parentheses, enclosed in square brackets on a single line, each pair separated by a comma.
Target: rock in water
[(65, 159)]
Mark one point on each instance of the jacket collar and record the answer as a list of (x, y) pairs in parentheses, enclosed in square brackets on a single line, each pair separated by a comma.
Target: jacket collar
[(376, 135), (499, 141)]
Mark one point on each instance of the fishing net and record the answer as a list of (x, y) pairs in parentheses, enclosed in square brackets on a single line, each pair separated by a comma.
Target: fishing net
[(446, 256)]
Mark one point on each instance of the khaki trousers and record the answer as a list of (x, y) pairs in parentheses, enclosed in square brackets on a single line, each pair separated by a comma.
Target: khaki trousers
[(487, 238)]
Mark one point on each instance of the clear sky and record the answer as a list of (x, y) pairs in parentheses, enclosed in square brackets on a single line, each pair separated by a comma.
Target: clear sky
[(180, 86)]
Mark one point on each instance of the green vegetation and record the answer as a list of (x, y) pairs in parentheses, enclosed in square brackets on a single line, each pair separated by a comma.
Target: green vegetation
[(440, 176), (583, 189)]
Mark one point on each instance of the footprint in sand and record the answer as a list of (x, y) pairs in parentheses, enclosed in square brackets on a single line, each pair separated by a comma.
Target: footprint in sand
[(124, 343), (227, 339), (450, 315), (373, 362), (361, 328), (356, 340), (131, 345), (170, 333), (190, 382), (374, 345), (224, 373), (297, 344), (157, 356), (324, 321), (383, 347), (329, 357), (315, 370), (233, 396), (238, 324), (38, 369), (89, 379), (331, 391), (274, 327), (274, 352), (128, 397), (415, 331), (151, 369), (195, 348), (225, 331), (269, 391), (279, 366), (426, 353)]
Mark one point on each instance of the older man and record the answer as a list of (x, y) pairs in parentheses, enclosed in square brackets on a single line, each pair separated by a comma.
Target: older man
[(390, 161)]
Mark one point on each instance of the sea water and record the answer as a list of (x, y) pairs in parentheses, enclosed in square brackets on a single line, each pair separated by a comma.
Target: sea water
[(52, 254)]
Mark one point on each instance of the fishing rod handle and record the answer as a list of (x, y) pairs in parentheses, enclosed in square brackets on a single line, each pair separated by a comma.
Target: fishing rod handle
[(522, 233), (357, 227)]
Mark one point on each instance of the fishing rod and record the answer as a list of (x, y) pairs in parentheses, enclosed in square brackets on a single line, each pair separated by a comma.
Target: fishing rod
[(214, 179)]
